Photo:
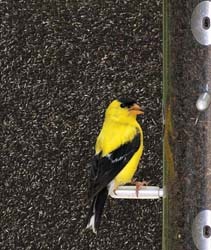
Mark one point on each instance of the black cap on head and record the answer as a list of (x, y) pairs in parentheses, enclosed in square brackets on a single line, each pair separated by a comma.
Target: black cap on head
[(126, 102)]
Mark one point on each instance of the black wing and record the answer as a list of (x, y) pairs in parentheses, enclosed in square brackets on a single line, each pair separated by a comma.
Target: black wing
[(104, 169)]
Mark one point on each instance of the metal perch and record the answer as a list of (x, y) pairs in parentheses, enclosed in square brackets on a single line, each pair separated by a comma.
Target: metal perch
[(146, 192)]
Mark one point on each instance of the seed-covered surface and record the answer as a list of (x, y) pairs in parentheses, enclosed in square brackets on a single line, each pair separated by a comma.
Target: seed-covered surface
[(62, 62)]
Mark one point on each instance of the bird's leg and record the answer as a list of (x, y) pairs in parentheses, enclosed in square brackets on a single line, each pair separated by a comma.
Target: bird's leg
[(139, 184)]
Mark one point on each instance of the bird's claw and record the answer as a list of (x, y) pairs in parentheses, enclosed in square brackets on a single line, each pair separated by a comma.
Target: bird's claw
[(139, 185)]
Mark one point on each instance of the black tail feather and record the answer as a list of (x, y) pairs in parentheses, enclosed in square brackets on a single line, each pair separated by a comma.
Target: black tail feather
[(96, 210)]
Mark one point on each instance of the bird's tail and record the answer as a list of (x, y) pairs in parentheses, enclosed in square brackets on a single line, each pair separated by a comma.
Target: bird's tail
[(96, 210)]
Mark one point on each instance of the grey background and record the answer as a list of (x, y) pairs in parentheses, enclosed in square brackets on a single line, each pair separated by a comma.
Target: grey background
[(62, 62)]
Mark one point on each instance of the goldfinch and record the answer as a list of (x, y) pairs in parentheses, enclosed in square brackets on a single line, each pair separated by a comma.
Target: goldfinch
[(118, 149)]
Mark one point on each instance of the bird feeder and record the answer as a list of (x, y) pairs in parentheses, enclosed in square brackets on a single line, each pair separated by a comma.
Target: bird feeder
[(186, 188)]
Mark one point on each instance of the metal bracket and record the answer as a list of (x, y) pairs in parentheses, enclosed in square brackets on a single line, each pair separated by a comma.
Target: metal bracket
[(146, 192), (201, 230), (201, 23)]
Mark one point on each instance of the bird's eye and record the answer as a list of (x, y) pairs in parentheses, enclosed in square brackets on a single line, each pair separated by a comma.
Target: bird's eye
[(122, 105)]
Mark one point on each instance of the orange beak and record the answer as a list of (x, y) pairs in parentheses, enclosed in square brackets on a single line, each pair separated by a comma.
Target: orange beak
[(136, 110)]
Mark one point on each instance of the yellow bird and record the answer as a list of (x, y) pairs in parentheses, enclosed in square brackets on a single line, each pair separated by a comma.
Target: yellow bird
[(118, 148)]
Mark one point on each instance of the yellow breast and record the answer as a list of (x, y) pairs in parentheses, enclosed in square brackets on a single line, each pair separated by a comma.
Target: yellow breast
[(127, 173)]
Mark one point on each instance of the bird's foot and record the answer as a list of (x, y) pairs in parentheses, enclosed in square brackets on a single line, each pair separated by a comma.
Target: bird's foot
[(139, 185)]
